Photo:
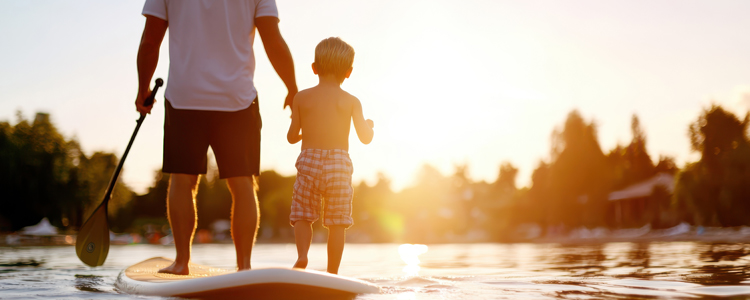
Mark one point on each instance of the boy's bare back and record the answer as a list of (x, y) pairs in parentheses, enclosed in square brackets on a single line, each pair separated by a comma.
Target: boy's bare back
[(324, 113)]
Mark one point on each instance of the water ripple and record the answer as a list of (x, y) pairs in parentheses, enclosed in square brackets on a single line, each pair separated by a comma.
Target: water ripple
[(672, 270)]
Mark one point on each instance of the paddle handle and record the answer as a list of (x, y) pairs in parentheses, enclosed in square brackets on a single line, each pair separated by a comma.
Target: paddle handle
[(150, 100)]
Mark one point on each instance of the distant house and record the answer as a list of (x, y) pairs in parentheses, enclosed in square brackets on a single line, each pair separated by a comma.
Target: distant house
[(639, 204)]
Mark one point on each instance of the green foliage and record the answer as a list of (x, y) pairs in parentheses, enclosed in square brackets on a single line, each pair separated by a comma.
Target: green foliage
[(423, 206), (275, 197), (632, 164), (499, 206), (717, 188), (376, 215), (44, 175), (213, 201), (153, 204), (572, 190), (539, 195), (506, 179), (579, 175)]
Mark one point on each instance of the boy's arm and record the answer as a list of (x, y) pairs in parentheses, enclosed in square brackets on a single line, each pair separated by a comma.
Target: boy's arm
[(362, 126), (278, 53), (294, 136)]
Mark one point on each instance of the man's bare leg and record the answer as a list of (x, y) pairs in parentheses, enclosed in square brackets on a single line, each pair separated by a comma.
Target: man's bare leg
[(245, 216), (336, 239), (303, 239), (182, 219)]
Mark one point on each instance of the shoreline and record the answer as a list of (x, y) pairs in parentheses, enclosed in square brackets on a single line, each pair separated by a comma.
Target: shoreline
[(69, 240)]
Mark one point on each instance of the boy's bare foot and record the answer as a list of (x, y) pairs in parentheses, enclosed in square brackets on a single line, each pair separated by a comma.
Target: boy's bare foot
[(243, 269), (301, 263), (243, 264), (176, 269)]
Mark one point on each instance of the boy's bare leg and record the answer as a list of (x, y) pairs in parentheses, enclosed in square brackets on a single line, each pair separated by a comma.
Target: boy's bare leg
[(336, 239), (303, 239), (182, 219), (245, 215)]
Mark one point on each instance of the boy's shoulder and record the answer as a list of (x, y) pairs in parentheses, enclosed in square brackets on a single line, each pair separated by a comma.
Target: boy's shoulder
[(317, 92), (303, 94)]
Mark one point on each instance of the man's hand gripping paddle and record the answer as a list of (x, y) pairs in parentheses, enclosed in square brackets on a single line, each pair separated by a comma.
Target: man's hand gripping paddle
[(92, 243)]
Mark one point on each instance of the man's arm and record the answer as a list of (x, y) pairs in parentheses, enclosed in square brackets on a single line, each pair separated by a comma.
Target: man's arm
[(293, 136), (279, 54), (362, 126), (148, 58)]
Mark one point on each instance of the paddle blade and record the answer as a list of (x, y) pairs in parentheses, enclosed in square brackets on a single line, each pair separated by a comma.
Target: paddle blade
[(92, 243)]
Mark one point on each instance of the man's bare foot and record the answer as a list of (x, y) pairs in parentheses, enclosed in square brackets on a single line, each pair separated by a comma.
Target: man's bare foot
[(176, 269), (301, 263)]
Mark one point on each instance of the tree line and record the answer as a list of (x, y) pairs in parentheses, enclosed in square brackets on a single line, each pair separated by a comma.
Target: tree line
[(45, 175)]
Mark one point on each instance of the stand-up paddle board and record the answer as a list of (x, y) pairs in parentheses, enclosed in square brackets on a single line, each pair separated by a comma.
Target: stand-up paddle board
[(215, 283)]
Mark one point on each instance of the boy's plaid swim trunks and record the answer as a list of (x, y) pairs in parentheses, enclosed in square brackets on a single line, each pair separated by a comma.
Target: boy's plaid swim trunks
[(323, 175)]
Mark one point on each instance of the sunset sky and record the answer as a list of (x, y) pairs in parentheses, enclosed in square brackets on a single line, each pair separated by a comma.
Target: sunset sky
[(446, 82)]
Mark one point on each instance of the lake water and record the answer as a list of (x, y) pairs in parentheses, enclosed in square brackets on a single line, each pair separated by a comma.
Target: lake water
[(674, 270)]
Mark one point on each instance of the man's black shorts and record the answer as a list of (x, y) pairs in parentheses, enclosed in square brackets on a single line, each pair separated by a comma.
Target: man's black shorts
[(233, 136)]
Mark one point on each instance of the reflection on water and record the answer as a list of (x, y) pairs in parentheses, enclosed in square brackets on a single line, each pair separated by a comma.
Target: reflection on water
[(88, 283), (22, 263), (581, 261), (673, 270), (722, 264), (410, 255)]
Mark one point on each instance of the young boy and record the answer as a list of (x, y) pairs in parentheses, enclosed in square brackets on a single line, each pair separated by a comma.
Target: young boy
[(324, 170)]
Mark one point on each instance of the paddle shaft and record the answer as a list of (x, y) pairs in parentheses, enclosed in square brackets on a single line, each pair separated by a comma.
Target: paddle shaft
[(148, 102), (92, 242)]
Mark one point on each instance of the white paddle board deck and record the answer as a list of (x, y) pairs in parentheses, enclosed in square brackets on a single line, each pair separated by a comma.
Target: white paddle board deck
[(214, 283)]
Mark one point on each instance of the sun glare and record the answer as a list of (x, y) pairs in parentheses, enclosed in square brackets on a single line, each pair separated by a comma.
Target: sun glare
[(410, 255)]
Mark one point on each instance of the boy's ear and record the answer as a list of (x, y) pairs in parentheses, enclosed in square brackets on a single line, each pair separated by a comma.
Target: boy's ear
[(349, 73), (315, 70)]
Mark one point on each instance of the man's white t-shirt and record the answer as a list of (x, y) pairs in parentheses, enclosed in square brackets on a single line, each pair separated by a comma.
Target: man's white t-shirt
[(211, 51)]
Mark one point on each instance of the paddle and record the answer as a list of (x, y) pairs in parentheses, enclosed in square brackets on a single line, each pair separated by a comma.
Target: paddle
[(92, 243)]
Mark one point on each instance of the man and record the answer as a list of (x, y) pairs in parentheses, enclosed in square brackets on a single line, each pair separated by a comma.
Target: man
[(211, 100)]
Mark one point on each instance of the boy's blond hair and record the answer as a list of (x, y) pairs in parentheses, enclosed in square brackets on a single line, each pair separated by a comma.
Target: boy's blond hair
[(334, 56)]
